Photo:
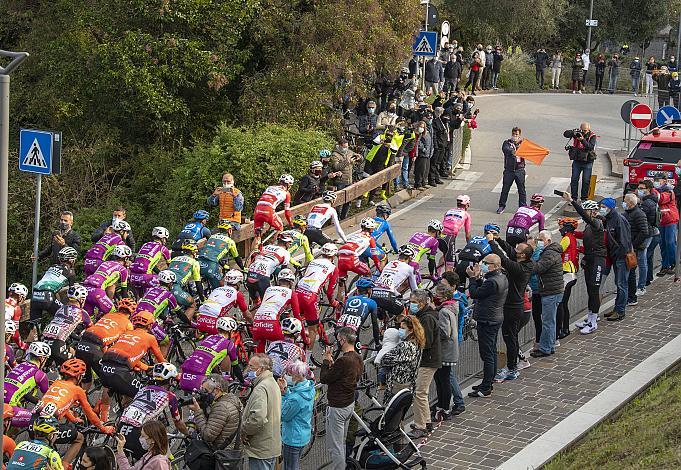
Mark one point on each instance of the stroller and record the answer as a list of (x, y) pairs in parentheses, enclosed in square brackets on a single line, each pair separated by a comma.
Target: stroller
[(383, 444)]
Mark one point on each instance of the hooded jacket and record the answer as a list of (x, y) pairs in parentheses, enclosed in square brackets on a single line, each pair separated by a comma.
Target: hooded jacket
[(449, 334), (490, 293), (431, 354), (296, 414), (341, 161), (391, 337), (218, 424), (667, 202), (550, 270), (518, 276)]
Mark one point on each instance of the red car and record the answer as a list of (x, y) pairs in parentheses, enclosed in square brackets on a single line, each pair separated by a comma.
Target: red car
[(655, 155)]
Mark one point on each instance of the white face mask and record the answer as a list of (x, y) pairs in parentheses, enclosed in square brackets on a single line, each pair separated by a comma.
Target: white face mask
[(144, 443), (228, 185)]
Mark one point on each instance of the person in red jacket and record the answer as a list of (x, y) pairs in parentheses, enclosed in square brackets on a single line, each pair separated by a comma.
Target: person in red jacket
[(567, 227), (668, 223)]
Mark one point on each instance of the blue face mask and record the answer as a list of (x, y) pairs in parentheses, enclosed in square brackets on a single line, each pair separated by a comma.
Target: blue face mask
[(413, 307), (624, 205), (250, 375), (640, 193), (289, 381), (603, 211), (484, 268), (540, 244), (657, 184), (403, 333)]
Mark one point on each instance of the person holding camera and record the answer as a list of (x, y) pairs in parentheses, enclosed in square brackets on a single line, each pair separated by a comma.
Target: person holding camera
[(216, 412), (582, 152), (230, 201), (61, 238)]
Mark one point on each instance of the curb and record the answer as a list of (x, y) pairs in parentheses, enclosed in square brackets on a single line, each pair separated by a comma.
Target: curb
[(614, 165)]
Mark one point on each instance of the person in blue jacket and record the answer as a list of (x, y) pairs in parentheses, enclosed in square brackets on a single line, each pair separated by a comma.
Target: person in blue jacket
[(195, 230), (383, 211), (297, 403)]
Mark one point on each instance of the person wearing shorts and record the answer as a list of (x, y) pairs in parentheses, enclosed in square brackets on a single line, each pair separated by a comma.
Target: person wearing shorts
[(101, 285), (220, 302), (69, 320), (357, 308), (44, 297), (452, 223), (387, 287), (266, 208), (153, 254), (356, 245), (217, 251), (319, 215), (187, 270), (270, 259), (524, 219)]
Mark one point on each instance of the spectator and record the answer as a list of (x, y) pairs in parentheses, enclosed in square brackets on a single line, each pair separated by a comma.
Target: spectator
[(105, 227), (481, 54), (487, 71), (550, 271), (489, 288), (534, 285), (586, 61), (541, 59), (514, 170), (218, 422), (61, 238), (441, 139), (388, 117), (433, 68), (677, 186), (582, 153), (367, 122), (424, 153), (406, 152), (342, 160), (640, 239), (648, 200), (261, 418), (576, 76), (413, 67), (556, 66), (613, 75), (674, 90), (407, 101), (431, 361), (452, 74), (662, 79), (341, 376), (473, 72), (568, 242), (618, 242), (448, 310), (310, 184), (672, 65), (154, 439), (297, 404), (668, 222), (600, 73), (496, 67), (404, 359), (97, 458), (391, 338), (651, 70), (635, 73), (230, 201)]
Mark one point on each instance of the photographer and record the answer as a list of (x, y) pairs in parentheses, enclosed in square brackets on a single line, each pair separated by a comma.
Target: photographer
[(61, 238), (216, 412), (582, 152)]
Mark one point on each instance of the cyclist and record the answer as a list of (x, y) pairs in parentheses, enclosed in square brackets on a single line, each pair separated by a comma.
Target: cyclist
[(429, 242), (359, 244), (220, 302), (474, 251), (276, 300), (266, 207), (150, 403), (101, 285), (187, 269), (318, 217), (268, 260), (387, 287), (45, 296), (58, 402), (358, 307), (299, 240), (69, 321), (195, 230), (285, 351), (23, 381), (454, 220), (319, 272), (37, 453), (213, 256), (17, 296), (217, 350), (524, 218), (104, 248), (161, 302), (152, 257), (383, 212)]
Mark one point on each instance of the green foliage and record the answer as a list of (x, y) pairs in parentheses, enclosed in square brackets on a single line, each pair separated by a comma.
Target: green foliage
[(517, 74)]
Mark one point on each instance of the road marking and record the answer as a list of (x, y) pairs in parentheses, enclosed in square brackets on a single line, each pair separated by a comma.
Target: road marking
[(553, 184), (465, 180), (500, 184), (413, 206)]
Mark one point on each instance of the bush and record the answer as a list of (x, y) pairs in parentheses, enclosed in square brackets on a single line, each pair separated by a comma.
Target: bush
[(517, 74)]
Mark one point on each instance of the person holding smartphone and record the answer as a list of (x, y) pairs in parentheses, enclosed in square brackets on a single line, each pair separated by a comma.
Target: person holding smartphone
[(62, 237), (229, 199)]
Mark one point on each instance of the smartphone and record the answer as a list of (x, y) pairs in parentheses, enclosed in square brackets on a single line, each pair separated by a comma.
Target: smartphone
[(558, 192)]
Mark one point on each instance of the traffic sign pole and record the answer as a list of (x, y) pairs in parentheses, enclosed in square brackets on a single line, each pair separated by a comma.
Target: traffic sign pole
[(36, 228)]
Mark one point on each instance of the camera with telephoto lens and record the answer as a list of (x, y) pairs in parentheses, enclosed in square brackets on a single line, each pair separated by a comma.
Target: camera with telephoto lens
[(577, 133)]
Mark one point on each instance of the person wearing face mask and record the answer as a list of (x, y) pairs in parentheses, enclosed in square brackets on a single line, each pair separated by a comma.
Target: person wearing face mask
[(474, 72), (668, 225), (675, 90), (496, 66), (217, 416), (514, 170), (367, 122), (154, 440), (441, 140), (97, 458), (62, 238), (635, 73), (640, 239), (677, 185), (582, 152), (452, 74), (614, 66), (648, 198), (423, 154), (106, 227), (567, 227), (448, 309), (407, 100), (310, 186), (433, 69), (340, 164), (229, 199), (541, 59), (388, 117), (403, 360), (297, 405), (487, 71), (489, 289)]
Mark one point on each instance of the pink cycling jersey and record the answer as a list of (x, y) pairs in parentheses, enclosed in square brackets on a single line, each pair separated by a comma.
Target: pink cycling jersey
[(526, 217), (423, 243), (149, 256), (65, 322), (454, 220)]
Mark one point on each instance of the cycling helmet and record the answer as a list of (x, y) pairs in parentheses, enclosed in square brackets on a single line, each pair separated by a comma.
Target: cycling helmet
[(329, 196), (226, 324), (286, 275), (589, 205), (164, 371), (368, 223), (329, 249), (286, 179), (120, 226), (160, 232), (492, 228), (291, 326), (299, 221), (167, 277), (464, 199), (189, 245), (364, 283), (143, 319), (201, 215), (18, 289), (568, 221), (233, 276), (383, 209), (285, 237), (45, 424), (122, 252), (126, 305), (537, 198), (73, 368), (324, 153), (67, 254), (315, 164), (10, 326), (39, 349), (435, 224), (407, 251), (225, 224), (77, 292)]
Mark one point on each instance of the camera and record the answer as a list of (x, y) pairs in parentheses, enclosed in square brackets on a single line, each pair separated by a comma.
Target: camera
[(577, 133)]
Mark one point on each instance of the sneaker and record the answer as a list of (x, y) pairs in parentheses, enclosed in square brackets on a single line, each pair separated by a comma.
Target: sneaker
[(512, 374), (640, 292), (573, 92), (501, 210), (563, 334), (610, 314), (477, 387), (417, 433), (582, 323), (556, 344), (501, 375), (539, 353), (523, 364), (480, 393), (588, 329), (456, 411), (616, 317), (580, 92), (632, 302), (662, 272), (429, 427)]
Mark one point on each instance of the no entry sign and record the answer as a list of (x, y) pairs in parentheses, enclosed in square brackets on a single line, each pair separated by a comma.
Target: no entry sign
[(641, 116)]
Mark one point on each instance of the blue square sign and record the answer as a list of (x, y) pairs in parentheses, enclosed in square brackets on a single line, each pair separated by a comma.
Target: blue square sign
[(35, 151), (425, 44)]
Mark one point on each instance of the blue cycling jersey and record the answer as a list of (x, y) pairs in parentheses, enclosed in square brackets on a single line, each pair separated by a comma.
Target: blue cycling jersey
[(475, 250), (384, 227), (360, 306), (195, 231)]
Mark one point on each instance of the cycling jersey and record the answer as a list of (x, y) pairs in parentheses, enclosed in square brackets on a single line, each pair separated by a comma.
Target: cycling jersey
[(149, 256), (475, 250), (526, 217), (208, 354), (423, 243), (570, 253), (320, 214), (66, 321), (357, 309), (10, 358), (108, 274), (101, 251), (34, 455), (108, 329), (60, 398), (266, 207), (282, 354), (23, 379), (358, 244), (218, 247), (384, 227), (149, 404), (275, 195), (299, 241), (186, 269), (12, 309), (268, 260), (394, 274), (454, 220), (158, 300), (319, 272), (266, 325), (218, 304), (194, 231), (131, 346), (56, 278)]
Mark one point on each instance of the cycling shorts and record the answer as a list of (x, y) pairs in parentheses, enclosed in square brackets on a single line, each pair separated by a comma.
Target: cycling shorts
[(379, 253), (515, 235), (90, 265), (66, 432), (210, 270), (43, 301), (309, 306), (60, 351), (417, 271), (266, 330), (450, 254), (351, 263), (257, 284), (594, 270), (266, 214), (143, 281), (119, 378), (97, 301), (159, 333), (387, 303), (181, 295), (22, 417), (91, 354), (315, 235), (132, 440)]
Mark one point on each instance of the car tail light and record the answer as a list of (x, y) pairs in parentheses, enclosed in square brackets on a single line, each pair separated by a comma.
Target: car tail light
[(631, 162)]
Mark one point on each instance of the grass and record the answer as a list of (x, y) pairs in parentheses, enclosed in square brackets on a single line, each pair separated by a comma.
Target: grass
[(646, 434)]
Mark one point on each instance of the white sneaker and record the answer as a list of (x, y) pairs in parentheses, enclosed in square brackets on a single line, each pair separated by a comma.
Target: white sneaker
[(523, 364), (556, 344), (589, 328), (640, 292), (582, 323), (573, 92), (580, 92)]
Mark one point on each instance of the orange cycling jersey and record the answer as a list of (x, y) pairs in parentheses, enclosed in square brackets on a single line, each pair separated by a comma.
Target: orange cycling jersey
[(109, 328), (60, 397), (132, 346)]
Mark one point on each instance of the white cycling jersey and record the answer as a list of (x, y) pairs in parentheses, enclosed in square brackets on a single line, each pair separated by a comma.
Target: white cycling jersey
[(269, 259), (282, 354), (356, 244), (316, 275), (275, 300), (320, 214), (220, 298), (394, 274)]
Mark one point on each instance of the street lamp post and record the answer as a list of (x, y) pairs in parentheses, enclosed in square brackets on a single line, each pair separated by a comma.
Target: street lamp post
[(588, 30)]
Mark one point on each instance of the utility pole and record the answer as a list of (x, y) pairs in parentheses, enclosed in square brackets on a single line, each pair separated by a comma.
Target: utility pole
[(588, 31), (423, 78), (678, 40)]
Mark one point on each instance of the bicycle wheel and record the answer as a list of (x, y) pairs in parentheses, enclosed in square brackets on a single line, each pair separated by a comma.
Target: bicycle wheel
[(319, 346)]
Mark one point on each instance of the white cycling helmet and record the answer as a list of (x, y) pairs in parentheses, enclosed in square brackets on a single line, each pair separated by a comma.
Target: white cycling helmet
[(316, 164), (226, 324), (77, 292), (19, 289), (368, 223), (291, 326), (589, 205), (10, 326), (286, 275), (122, 251), (329, 196), (329, 249), (286, 179), (167, 277), (39, 349), (463, 199), (160, 232), (121, 226), (164, 371), (67, 254), (435, 225), (285, 237), (407, 251), (233, 276)]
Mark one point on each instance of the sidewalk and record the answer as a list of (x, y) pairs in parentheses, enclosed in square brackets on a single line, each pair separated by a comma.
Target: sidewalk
[(492, 430)]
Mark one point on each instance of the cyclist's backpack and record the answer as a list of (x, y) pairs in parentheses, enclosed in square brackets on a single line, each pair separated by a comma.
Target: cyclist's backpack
[(199, 455)]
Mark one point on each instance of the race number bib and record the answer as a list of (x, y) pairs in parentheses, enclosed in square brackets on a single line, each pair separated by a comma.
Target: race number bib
[(134, 414), (52, 329), (351, 321)]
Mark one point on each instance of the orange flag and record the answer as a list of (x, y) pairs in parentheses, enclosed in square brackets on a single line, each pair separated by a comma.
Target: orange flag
[(532, 152)]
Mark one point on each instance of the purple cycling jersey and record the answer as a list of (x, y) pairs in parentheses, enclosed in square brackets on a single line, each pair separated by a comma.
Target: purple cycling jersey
[(65, 322), (107, 274), (103, 248), (423, 243), (526, 217), (208, 354), (149, 256), (23, 379), (10, 358), (156, 300)]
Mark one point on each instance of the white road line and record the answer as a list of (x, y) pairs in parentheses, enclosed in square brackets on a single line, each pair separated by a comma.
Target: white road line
[(413, 206), (465, 180), (554, 183)]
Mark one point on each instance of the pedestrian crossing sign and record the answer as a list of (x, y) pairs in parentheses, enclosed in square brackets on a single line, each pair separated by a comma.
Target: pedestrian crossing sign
[(425, 43), (39, 151)]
